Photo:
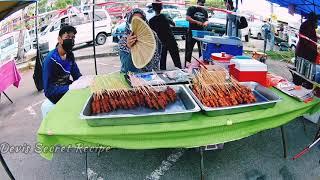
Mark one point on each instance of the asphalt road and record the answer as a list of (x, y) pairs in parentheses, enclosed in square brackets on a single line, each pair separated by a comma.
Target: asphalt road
[(256, 157)]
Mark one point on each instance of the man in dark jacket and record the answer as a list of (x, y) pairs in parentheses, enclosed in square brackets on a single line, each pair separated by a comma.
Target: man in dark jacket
[(305, 48), (161, 25), (59, 65)]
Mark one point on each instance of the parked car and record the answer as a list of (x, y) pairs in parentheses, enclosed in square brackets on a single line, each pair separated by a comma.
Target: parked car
[(118, 31), (164, 6), (256, 30), (177, 16), (83, 23), (217, 23), (9, 45)]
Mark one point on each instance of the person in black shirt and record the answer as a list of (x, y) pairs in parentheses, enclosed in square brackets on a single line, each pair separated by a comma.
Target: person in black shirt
[(161, 25), (198, 19)]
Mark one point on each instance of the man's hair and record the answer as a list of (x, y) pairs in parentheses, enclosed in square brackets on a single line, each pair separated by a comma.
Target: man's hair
[(157, 7), (67, 29), (230, 2), (201, 1)]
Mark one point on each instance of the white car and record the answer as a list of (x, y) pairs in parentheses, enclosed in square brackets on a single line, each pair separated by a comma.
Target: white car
[(256, 30), (9, 45), (83, 24)]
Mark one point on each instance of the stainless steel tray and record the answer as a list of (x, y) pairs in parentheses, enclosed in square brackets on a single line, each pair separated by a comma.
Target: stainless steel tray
[(166, 80), (265, 99), (181, 110)]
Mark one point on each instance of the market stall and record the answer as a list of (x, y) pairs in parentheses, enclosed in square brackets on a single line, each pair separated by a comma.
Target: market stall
[(223, 100), (63, 126)]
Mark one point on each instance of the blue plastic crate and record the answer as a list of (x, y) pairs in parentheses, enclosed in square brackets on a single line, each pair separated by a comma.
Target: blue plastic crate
[(201, 34)]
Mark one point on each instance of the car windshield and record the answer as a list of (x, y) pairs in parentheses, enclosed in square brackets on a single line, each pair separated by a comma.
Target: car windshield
[(219, 15), (6, 43), (172, 14)]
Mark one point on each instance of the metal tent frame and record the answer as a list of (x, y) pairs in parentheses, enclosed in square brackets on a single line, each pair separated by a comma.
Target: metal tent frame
[(302, 7), (9, 7), (6, 9)]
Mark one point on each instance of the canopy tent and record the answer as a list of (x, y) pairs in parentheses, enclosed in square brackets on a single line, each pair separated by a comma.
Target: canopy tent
[(6, 9), (9, 7), (302, 7)]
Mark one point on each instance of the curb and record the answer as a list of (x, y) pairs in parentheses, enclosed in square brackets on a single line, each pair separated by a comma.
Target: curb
[(112, 54), (26, 66), (30, 65)]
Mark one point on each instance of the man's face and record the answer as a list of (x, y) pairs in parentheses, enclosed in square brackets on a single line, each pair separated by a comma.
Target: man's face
[(70, 35), (201, 3)]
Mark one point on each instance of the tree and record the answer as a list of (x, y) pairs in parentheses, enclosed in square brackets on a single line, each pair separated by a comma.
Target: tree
[(212, 3), (42, 6), (20, 53), (61, 4)]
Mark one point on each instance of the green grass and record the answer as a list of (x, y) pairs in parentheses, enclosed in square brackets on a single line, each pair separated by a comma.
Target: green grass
[(280, 55), (277, 55)]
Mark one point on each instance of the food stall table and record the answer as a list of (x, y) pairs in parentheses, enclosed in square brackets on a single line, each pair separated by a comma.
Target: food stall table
[(63, 126)]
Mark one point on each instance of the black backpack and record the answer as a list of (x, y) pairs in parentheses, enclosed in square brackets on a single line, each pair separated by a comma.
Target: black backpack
[(37, 74), (242, 23)]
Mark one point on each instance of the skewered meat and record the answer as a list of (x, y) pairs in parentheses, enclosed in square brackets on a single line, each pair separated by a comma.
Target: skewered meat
[(113, 100), (217, 97)]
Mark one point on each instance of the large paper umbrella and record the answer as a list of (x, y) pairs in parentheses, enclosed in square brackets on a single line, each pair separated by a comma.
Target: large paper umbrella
[(143, 51)]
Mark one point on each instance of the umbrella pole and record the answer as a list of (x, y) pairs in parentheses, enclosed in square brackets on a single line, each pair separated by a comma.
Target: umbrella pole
[(94, 38), (4, 164)]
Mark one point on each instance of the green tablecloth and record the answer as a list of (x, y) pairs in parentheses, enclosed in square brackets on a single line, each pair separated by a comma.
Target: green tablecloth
[(63, 126)]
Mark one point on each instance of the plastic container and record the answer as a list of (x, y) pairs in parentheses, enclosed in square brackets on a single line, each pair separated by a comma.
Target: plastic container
[(249, 70), (234, 60), (242, 57), (201, 34), (221, 59), (217, 44)]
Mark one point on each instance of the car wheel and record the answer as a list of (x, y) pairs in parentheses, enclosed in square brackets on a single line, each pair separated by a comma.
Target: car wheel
[(101, 39), (293, 48), (259, 36)]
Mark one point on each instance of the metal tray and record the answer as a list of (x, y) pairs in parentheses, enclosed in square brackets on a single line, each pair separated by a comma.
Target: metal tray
[(161, 75), (181, 110), (265, 99)]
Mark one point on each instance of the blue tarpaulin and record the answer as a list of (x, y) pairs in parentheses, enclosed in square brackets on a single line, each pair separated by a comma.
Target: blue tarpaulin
[(302, 7)]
